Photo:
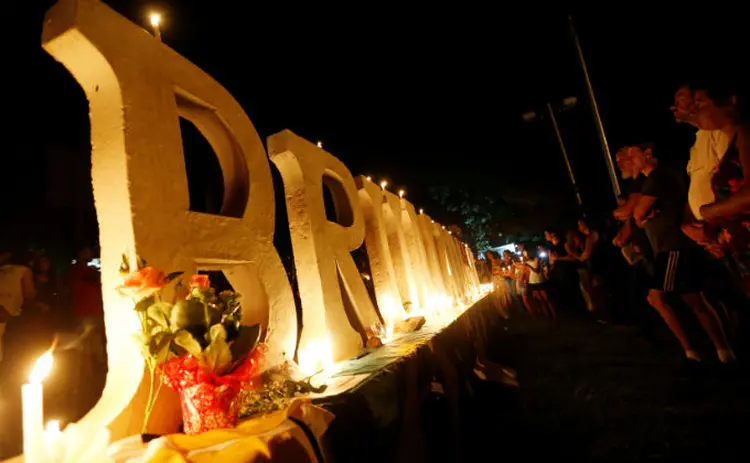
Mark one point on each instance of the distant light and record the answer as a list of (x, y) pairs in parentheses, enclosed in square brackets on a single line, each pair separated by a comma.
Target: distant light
[(542, 255), (450, 232), (401, 193), (443, 227), (529, 116), (569, 102), (155, 19), (368, 178), (320, 144), (383, 184), (421, 211), (432, 221)]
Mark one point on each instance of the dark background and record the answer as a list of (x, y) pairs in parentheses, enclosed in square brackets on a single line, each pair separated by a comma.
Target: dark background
[(422, 97)]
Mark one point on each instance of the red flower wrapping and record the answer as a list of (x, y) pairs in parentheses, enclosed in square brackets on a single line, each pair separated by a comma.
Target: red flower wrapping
[(211, 401), (206, 407)]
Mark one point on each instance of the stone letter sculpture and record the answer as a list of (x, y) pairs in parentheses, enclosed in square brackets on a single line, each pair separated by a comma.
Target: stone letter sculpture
[(138, 88)]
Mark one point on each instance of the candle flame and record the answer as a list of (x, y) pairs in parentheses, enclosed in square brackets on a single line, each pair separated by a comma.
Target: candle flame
[(155, 19), (401, 193), (320, 144), (369, 179), (383, 184), (421, 211), (42, 368)]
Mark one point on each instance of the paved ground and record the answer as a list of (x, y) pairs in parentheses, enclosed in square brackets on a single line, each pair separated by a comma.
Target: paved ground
[(604, 393)]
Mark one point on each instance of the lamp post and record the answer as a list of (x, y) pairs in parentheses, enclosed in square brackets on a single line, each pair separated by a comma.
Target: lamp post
[(595, 110), (566, 104)]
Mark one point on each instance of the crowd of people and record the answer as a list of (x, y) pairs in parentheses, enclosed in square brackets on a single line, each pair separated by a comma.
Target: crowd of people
[(674, 244), (38, 306)]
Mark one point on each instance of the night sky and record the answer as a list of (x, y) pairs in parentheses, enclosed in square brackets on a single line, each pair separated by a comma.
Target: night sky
[(423, 96)]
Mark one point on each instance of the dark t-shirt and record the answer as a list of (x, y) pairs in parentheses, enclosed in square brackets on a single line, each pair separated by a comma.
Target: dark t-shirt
[(664, 229), (638, 235)]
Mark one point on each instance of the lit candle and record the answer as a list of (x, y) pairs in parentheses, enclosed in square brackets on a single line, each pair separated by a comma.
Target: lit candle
[(421, 211), (51, 436), (369, 179), (320, 144), (155, 19), (32, 396), (383, 184), (401, 193)]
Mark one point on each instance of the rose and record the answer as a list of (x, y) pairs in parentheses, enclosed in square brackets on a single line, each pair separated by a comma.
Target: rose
[(143, 283), (200, 281)]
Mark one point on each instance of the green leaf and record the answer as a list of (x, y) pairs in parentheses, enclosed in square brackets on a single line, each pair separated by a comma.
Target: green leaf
[(186, 313), (217, 356), (145, 303), (247, 338), (160, 313), (186, 340), (159, 346)]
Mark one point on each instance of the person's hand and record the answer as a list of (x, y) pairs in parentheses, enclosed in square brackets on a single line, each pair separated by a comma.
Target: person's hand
[(622, 214), (697, 232), (715, 250), (707, 213)]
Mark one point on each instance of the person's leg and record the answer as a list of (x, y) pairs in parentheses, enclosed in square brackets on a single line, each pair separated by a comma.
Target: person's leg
[(584, 278), (548, 302), (711, 323), (690, 279), (658, 301)]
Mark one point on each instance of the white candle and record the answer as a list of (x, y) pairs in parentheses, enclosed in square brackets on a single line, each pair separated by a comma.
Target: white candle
[(32, 396), (51, 437)]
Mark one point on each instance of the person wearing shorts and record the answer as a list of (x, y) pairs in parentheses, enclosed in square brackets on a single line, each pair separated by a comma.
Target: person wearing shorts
[(678, 265), (538, 284)]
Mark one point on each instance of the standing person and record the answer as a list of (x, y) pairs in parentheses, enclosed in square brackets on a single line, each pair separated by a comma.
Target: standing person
[(16, 290), (594, 259), (538, 284), (564, 273), (718, 108), (678, 263), (86, 295), (500, 290), (711, 143), (575, 246), (521, 275)]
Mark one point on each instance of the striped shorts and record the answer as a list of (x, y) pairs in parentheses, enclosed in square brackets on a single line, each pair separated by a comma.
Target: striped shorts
[(680, 271)]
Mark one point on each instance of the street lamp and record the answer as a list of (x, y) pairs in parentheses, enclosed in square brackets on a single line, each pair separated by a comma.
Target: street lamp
[(565, 104)]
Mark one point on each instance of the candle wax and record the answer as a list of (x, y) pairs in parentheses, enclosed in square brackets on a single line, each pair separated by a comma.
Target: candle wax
[(33, 422)]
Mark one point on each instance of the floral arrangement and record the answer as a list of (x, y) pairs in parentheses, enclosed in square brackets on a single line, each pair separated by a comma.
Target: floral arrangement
[(277, 392), (196, 344)]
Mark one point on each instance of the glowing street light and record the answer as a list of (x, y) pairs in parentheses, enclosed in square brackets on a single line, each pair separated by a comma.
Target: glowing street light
[(155, 20)]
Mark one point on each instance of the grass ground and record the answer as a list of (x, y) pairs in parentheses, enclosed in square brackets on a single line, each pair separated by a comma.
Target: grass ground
[(603, 393)]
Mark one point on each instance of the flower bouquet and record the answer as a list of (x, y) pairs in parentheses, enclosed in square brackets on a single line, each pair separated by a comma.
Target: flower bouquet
[(195, 344)]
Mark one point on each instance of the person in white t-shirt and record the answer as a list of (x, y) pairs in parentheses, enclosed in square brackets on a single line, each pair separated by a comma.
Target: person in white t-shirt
[(707, 151), (16, 289)]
